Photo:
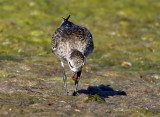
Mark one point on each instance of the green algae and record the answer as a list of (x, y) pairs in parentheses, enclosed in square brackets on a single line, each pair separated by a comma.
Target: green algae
[(95, 98), (7, 110), (134, 112)]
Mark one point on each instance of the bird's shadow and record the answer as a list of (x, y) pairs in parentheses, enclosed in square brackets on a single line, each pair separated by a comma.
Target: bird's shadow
[(102, 90)]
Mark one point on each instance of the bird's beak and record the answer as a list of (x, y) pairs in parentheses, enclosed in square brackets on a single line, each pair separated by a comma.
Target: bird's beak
[(76, 76)]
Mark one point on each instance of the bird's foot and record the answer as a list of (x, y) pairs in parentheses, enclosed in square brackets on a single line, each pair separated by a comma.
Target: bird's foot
[(66, 93), (75, 93)]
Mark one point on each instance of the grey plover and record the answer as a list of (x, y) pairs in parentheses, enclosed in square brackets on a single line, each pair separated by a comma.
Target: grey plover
[(72, 43)]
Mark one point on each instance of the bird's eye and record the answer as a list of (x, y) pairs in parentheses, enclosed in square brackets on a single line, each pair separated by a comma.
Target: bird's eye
[(70, 65)]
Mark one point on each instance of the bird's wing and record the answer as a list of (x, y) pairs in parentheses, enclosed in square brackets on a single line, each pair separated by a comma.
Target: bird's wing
[(54, 40)]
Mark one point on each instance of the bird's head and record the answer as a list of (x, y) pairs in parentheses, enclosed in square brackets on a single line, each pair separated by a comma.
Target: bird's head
[(66, 22), (76, 61)]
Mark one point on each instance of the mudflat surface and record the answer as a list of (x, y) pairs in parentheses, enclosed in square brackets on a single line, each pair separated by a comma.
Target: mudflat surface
[(107, 94), (120, 79)]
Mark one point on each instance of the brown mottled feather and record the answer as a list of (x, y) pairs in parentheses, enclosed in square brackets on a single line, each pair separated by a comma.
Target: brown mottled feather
[(66, 39)]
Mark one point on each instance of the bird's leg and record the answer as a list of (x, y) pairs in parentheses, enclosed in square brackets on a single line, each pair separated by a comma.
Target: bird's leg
[(64, 78), (77, 77), (76, 85)]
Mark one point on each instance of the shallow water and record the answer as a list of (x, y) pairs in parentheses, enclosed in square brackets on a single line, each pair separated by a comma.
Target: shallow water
[(126, 57)]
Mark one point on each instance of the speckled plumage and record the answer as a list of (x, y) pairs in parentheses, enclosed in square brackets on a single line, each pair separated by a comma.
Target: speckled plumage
[(72, 43), (66, 39)]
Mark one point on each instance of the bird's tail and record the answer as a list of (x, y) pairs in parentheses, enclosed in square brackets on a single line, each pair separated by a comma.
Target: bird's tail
[(66, 19)]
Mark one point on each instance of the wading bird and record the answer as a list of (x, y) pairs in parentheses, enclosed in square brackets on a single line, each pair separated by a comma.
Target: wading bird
[(72, 43)]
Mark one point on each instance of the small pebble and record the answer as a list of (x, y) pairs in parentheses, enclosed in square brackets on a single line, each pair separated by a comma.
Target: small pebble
[(77, 110)]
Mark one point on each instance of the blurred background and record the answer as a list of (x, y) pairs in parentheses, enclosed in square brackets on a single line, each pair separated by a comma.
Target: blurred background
[(125, 33)]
